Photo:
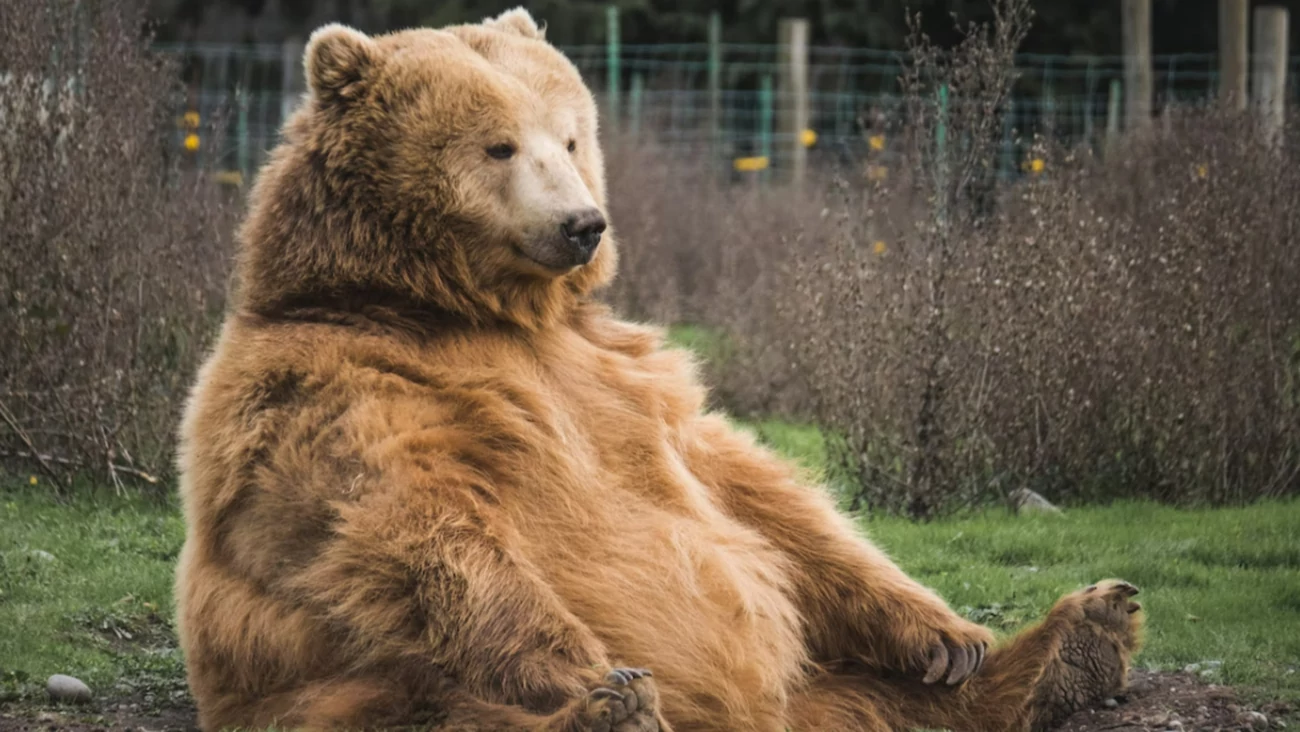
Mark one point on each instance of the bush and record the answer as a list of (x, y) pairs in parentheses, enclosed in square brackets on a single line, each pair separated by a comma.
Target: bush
[(115, 260), (1125, 324)]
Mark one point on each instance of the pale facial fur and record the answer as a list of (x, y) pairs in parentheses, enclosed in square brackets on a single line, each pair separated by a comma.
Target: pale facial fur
[(544, 197)]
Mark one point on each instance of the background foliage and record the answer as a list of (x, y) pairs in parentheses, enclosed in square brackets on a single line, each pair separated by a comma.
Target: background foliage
[(1120, 321)]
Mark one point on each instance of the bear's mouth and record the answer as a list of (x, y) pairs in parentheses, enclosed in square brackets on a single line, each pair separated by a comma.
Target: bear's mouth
[(555, 260)]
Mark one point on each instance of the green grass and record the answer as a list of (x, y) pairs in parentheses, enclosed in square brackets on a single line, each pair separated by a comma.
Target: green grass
[(86, 590), (1219, 585)]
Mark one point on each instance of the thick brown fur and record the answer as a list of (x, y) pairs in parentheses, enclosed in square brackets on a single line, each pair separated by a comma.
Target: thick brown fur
[(428, 480)]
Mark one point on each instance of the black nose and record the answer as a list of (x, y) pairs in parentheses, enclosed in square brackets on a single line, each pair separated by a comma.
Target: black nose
[(584, 228)]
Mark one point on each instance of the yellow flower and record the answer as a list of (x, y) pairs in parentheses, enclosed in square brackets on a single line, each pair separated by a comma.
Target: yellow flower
[(877, 142), (191, 119), (191, 142), (1202, 171), (32, 480), (749, 165), (809, 138), (877, 172), (879, 247), (1036, 165)]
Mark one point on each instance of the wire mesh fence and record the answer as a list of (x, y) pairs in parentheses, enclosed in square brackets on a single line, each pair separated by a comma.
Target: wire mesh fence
[(693, 94)]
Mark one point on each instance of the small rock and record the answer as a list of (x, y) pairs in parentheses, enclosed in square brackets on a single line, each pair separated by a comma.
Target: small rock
[(1024, 500), (67, 689), (1110, 704), (1253, 720), (1175, 726), (41, 554)]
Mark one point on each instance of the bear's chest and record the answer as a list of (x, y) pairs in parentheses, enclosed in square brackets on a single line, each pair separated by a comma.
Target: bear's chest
[(641, 551)]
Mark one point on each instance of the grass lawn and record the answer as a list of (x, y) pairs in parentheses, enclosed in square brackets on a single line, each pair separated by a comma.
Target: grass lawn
[(85, 588)]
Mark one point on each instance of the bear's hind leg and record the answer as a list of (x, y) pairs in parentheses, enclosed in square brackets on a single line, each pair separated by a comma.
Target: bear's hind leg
[(1079, 655)]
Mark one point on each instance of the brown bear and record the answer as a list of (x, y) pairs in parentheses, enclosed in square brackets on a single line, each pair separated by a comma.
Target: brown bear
[(428, 479)]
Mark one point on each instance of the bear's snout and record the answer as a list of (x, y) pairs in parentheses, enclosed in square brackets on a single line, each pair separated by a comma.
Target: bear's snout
[(582, 230)]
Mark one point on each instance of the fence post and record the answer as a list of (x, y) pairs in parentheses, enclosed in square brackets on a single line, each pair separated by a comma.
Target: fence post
[(241, 127), (1113, 111), (765, 114), (941, 156), (715, 85), (1047, 112), (1270, 70), (290, 77), (1233, 32), (1089, 109), (1008, 164), (793, 120), (634, 102), (612, 63), (1137, 64)]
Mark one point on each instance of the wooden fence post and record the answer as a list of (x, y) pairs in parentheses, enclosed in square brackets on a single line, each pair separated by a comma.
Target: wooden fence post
[(793, 96), (1270, 70), (1138, 86), (1234, 30)]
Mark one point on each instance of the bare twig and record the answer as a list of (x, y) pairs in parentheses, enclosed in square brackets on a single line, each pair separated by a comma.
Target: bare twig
[(22, 435), (56, 460)]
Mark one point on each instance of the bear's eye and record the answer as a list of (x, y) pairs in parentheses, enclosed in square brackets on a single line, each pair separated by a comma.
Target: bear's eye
[(504, 151), (573, 145)]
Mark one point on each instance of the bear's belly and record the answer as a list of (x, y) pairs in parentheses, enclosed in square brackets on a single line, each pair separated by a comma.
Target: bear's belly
[(682, 589)]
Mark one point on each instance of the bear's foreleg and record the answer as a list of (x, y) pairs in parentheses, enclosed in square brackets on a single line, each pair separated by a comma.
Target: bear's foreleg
[(420, 582), (856, 603)]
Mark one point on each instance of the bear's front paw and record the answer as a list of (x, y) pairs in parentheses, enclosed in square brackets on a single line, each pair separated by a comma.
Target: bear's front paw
[(627, 701), (951, 650)]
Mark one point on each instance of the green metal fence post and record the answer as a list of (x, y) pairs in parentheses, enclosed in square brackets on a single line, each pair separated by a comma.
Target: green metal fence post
[(1047, 112), (1113, 110), (634, 102), (766, 114), (715, 84), (1008, 153), (241, 127), (1088, 107), (941, 154), (612, 63)]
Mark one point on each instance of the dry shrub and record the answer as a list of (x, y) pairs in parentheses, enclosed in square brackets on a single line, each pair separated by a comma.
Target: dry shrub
[(1146, 314), (704, 249), (114, 261), (1122, 325)]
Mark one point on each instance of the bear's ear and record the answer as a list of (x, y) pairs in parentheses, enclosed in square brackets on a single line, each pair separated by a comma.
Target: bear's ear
[(518, 21), (338, 60)]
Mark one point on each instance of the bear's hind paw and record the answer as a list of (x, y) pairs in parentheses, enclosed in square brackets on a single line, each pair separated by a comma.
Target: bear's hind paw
[(627, 701)]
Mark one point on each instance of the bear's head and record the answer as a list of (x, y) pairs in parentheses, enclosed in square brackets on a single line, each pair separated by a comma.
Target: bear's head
[(454, 170)]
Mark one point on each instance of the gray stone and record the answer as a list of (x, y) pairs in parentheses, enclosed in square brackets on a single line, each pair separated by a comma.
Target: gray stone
[(1024, 501), (1110, 704), (67, 689), (1253, 720)]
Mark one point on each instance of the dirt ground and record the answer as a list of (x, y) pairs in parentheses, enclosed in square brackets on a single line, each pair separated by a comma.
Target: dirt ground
[(1156, 702)]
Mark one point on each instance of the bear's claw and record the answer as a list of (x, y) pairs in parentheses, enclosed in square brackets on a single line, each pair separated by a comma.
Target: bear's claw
[(628, 704), (959, 663)]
